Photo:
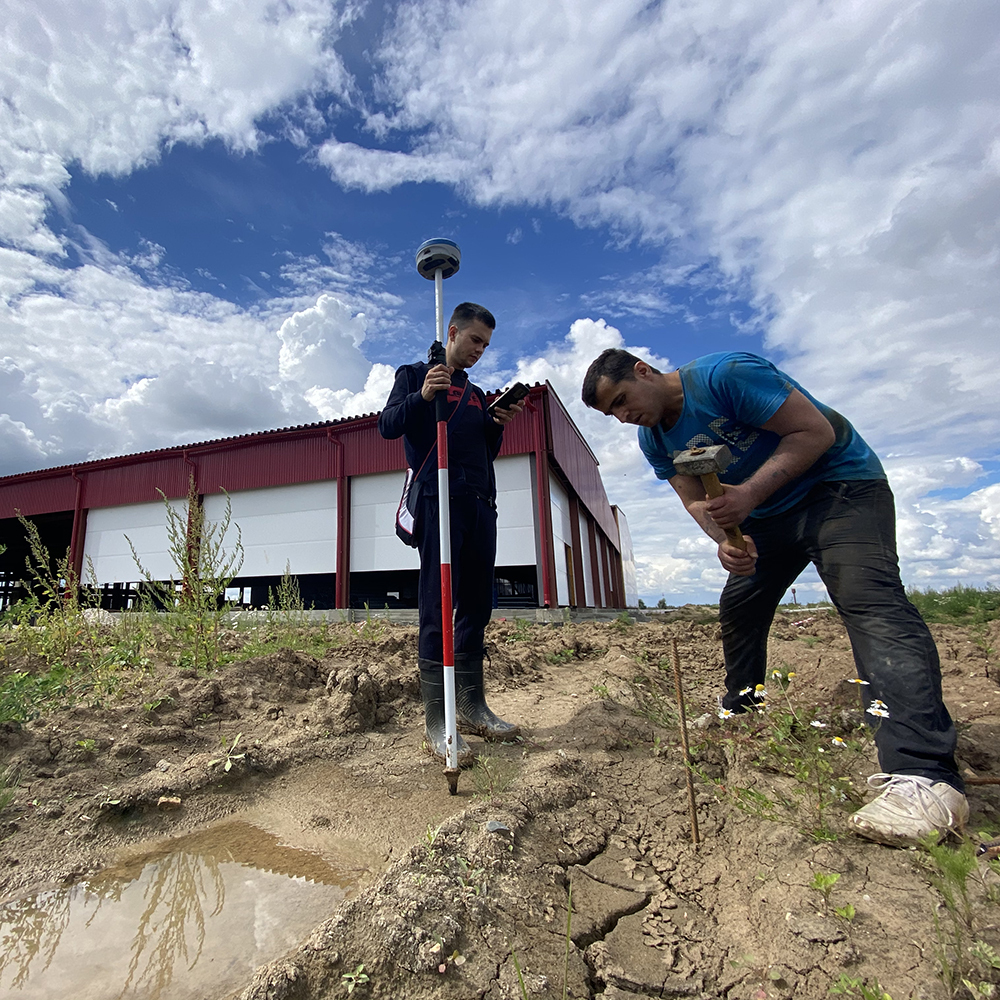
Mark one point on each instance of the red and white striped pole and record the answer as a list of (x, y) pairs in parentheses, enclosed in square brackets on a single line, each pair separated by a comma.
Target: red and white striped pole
[(440, 259)]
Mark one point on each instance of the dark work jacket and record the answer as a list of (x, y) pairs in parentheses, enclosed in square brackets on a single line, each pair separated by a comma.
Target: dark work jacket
[(473, 436)]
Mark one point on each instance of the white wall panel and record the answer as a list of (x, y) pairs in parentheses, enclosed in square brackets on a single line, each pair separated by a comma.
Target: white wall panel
[(294, 524), (374, 499), (628, 560), (107, 548), (588, 570), (374, 545), (561, 537), (516, 509)]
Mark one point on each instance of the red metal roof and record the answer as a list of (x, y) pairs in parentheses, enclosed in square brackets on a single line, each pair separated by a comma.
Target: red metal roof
[(351, 446)]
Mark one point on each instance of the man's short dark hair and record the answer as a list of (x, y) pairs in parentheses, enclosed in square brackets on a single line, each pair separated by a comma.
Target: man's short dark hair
[(468, 312), (616, 366)]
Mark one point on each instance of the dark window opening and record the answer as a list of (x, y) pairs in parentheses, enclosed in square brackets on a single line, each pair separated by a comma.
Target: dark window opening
[(395, 589), (516, 587), (55, 532)]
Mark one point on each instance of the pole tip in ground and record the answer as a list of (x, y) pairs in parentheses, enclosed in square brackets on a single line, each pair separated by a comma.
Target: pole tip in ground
[(452, 774)]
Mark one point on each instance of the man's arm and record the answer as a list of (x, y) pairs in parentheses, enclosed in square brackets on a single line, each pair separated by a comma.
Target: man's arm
[(734, 560), (407, 410), (805, 435)]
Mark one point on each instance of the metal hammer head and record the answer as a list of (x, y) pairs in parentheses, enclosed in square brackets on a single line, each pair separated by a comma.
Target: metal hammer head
[(703, 461)]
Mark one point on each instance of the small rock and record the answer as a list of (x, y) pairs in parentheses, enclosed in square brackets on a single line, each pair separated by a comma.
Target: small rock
[(167, 802), (163, 765)]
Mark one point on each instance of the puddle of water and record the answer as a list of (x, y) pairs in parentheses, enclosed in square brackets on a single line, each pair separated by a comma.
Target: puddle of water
[(189, 920)]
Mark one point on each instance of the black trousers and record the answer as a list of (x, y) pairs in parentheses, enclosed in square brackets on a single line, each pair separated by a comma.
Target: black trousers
[(473, 555), (848, 531)]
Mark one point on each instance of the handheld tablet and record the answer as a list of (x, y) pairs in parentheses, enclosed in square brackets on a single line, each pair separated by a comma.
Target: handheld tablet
[(509, 397)]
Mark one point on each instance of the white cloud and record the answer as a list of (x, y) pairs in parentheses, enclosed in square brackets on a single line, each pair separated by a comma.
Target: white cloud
[(99, 362), (836, 162), (320, 346), (120, 354), (333, 404)]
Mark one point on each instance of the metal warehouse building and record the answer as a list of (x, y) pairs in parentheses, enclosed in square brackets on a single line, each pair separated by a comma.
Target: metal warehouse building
[(322, 499)]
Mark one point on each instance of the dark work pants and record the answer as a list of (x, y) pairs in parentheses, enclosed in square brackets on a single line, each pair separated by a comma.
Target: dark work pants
[(848, 531), (473, 554)]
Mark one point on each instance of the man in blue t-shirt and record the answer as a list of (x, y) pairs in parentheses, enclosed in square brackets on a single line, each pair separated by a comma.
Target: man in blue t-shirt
[(474, 437), (804, 487)]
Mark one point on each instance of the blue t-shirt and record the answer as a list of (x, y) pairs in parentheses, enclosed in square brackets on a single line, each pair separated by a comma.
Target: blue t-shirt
[(727, 399)]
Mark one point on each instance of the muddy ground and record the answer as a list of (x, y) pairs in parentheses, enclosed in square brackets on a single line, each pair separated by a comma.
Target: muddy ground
[(455, 895)]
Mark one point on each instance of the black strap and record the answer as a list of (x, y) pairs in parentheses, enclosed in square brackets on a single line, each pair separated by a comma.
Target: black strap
[(433, 447)]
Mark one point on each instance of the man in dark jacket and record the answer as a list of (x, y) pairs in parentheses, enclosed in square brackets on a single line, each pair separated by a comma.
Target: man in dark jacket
[(474, 437)]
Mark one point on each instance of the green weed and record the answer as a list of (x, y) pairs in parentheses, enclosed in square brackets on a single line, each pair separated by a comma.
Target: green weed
[(372, 628), (622, 623), (229, 754), (523, 632), (287, 599), (493, 775), (8, 786), (862, 989), (560, 657), (205, 564), (796, 743), (960, 605), (652, 698), (963, 959), (352, 980), (823, 883)]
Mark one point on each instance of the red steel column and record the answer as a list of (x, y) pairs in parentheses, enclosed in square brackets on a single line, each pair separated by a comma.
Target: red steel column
[(574, 523)]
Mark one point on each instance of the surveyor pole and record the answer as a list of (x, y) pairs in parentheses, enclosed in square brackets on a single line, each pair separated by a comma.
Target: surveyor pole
[(440, 259)]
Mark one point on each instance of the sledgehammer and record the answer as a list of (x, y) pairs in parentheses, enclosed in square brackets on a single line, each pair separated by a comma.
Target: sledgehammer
[(707, 463)]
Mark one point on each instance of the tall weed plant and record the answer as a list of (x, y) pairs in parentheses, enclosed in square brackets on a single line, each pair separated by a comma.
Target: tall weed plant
[(967, 965), (47, 623), (205, 562)]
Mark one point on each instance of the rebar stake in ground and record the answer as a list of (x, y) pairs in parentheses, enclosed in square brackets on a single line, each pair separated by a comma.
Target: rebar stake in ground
[(695, 838)]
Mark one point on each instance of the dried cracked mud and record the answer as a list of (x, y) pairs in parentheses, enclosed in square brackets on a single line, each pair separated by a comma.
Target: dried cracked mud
[(565, 865)]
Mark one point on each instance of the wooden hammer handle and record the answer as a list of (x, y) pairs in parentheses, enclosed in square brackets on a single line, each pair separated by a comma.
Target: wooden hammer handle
[(714, 489)]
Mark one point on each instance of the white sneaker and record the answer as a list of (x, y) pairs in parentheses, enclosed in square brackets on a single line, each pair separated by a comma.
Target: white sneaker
[(910, 807)]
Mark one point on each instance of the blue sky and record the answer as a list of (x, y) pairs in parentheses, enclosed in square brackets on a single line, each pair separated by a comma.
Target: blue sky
[(208, 214)]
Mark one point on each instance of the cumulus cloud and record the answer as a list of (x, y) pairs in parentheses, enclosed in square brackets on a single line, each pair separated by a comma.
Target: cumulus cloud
[(118, 353), (320, 346), (100, 363), (837, 166), (838, 163)]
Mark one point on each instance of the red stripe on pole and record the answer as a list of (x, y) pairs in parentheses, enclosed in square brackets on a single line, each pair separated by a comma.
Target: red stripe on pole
[(447, 626)]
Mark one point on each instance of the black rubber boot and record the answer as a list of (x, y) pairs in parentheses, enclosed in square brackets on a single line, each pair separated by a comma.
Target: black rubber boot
[(432, 692), (474, 715)]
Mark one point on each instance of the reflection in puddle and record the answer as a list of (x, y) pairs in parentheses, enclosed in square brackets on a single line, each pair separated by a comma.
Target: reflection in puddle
[(190, 920)]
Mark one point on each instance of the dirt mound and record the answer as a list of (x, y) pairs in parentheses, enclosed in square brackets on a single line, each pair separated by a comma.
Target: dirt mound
[(565, 866)]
